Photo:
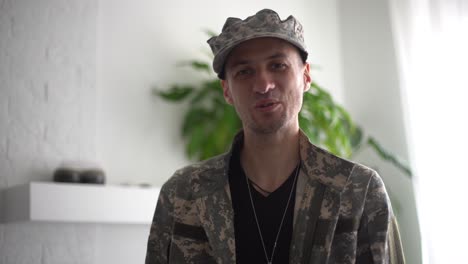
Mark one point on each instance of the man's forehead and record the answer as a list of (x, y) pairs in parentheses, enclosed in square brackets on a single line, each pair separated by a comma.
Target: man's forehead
[(261, 49), (242, 60)]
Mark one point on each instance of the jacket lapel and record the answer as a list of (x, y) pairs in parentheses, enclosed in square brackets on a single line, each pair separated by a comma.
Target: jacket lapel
[(308, 203), (325, 227), (318, 197), (216, 213)]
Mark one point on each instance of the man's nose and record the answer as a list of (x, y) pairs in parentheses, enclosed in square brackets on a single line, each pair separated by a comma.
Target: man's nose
[(264, 82)]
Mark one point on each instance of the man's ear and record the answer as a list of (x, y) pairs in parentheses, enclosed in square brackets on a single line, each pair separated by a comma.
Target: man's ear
[(227, 92), (307, 78)]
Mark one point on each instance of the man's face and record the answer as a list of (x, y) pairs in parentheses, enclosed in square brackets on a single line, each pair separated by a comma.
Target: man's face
[(265, 81)]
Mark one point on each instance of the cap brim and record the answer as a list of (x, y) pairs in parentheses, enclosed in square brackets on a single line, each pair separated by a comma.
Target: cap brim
[(220, 58)]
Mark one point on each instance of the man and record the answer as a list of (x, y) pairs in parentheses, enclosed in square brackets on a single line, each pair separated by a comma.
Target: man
[(274, 197)]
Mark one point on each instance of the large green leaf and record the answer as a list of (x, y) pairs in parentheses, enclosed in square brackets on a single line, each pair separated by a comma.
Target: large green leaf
[(197, 65), (194, 118), (387, 156), (176, 93)]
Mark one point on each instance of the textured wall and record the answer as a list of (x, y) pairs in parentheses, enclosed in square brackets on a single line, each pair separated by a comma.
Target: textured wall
[(48, 243), (47, 114), (48, 92)]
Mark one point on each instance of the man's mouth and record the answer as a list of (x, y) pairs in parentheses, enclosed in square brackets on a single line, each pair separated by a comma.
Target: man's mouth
[(266, 105)]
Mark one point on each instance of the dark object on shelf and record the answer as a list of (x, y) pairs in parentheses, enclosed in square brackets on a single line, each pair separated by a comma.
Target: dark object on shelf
[(95, 176), (79, 172), (66, 175)]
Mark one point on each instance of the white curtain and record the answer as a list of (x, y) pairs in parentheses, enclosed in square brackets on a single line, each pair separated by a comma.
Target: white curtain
[(431, 38)]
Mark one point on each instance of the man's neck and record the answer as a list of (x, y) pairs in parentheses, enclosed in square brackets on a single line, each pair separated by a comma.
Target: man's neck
[(268, 159)]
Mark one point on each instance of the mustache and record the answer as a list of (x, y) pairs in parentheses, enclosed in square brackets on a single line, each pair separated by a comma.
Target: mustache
[(267, 96)]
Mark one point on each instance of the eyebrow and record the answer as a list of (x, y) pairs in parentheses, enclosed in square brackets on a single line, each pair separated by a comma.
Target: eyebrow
[(247, 61)]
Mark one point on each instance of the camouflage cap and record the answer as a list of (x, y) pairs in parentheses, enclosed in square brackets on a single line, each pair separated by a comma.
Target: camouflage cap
[(265, 23)]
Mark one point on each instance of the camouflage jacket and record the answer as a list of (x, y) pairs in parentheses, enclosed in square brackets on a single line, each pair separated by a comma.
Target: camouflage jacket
[(342, 214)]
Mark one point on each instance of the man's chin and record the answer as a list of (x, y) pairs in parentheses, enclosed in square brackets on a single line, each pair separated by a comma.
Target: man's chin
[(266, 129)]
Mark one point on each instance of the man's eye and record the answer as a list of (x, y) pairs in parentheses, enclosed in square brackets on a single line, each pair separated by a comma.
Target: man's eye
[(243, 72), (279, 66)]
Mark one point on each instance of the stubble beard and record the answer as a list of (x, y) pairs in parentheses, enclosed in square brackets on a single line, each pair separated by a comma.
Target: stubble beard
[(269, 128), (273, 126)]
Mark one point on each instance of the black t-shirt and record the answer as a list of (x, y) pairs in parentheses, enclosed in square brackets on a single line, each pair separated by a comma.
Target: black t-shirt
[(269, 210)]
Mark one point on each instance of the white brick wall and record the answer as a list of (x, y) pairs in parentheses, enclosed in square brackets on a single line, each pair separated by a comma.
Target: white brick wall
[(50, 243), (47, 86), (47, 114)]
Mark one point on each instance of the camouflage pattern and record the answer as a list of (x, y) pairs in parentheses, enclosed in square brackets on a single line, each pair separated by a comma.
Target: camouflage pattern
[(265, 23), (342, 214)]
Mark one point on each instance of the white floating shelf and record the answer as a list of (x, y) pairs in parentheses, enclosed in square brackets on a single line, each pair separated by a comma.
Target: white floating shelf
[(78, 203)]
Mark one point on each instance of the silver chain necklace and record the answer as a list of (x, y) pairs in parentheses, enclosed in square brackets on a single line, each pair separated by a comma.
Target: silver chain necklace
[(270, 260)]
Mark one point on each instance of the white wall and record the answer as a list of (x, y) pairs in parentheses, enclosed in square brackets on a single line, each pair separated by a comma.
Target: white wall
[(47, 76), (48, 113), (140, 43), (372, 95)]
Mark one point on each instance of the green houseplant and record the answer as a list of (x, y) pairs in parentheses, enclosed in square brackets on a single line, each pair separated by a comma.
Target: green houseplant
[(210, 123)]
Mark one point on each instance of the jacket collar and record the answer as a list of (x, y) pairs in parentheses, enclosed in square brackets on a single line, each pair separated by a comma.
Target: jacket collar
[(322, 166), (317, 163)]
